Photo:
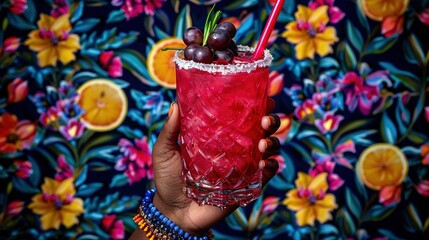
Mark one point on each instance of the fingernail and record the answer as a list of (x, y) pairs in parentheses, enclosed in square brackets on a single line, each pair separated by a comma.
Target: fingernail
[(171, 110)]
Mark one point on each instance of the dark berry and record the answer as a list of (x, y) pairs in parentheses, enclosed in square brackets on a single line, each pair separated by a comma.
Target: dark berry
[(193, 35), (227, 26), (203, 55), (226, 55), (190, 51), (219, 39), (233, 47)]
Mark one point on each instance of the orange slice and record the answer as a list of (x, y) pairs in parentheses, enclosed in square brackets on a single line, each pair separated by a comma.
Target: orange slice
[(160, 63), (379, 9), (382, 165), (105, 104)]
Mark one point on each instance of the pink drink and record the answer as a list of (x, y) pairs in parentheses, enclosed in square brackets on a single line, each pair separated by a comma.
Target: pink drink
[(221, 107)]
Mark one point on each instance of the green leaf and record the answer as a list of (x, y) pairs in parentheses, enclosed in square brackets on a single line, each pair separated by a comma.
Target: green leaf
[(346, 222), (134, 62), (417, 49), (354, 36), (19, 22), (378, 212), (353, 203), (380, 45), (388, 129), (31, 11), (116, 16), (255, 214), (183, 22), (240, 217), (349, 57), (240, 4), (414, 217), (86, 190), (344, 128), (119, 180), (408, 79), (77, 11), (85, 25)]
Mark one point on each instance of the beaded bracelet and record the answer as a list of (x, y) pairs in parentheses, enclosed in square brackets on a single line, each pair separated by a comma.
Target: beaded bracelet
[(158, 226)]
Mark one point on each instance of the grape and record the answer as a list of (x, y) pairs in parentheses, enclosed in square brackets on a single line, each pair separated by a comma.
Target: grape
[(190, 51), (203, 55), (233, 47), (227, 26), (219, 39), (193, 35), (226, 55)]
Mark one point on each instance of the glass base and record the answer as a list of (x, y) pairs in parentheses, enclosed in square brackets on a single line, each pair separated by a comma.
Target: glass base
[(223, 198)]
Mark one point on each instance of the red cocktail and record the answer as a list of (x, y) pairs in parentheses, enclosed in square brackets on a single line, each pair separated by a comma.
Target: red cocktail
[(221, 107)]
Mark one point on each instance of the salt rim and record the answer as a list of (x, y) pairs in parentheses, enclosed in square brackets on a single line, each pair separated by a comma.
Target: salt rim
[(228, 68)]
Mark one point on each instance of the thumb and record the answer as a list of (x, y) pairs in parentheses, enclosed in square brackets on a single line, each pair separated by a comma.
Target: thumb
[(166, 144)]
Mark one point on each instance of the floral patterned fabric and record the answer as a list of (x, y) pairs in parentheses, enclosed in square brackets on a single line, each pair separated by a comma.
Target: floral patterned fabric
[(350, 79)]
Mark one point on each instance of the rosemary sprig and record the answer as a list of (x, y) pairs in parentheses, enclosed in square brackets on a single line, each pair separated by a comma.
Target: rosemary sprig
[(211, 22)]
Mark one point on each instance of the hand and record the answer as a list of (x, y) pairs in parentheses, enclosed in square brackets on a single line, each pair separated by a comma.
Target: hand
[(170, 199)]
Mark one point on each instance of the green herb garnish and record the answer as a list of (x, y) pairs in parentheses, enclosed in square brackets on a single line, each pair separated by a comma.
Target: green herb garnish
[(211, 22)]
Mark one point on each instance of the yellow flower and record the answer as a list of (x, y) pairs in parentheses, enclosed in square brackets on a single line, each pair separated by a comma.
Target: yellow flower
[(53, 40), (56, 204), (310, 33), (310, 199)]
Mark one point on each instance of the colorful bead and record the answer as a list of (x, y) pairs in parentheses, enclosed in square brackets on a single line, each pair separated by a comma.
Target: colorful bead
[(158, 226)]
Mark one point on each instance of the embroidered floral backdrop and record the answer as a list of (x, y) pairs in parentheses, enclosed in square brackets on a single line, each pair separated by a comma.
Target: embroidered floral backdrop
[(350, 79)]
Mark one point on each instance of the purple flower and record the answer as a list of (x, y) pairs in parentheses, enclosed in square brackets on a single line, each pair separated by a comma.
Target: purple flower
[(133, 8), (296, 93), (337, 155), (135, 159), (362, 93), (329, 122), (74, 129)]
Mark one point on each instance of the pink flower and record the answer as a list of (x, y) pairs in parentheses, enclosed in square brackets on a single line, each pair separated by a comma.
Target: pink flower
[(14, 208), (270, 204), (61, 8), (390, 195), (392, 25), (114, 226), (136, 159), (329, 122), (18, 6), (335, 14), (276, 83), (64, 170), (113, 65), (423, 188), (73, 129), (424, 16), (334, 180), (133, 8), (10, 45), (23, 169), (305, 110), (17, 90), (50, 118)]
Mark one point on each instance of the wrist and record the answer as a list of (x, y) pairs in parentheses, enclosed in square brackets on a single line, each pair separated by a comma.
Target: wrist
[(178, 215), (157, 225)]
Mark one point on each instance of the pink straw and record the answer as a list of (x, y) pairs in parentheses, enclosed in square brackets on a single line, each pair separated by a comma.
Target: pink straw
[(262, 43)]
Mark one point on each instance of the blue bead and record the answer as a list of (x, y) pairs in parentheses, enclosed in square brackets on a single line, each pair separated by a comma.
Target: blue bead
[(186, 235), (180, 232)]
